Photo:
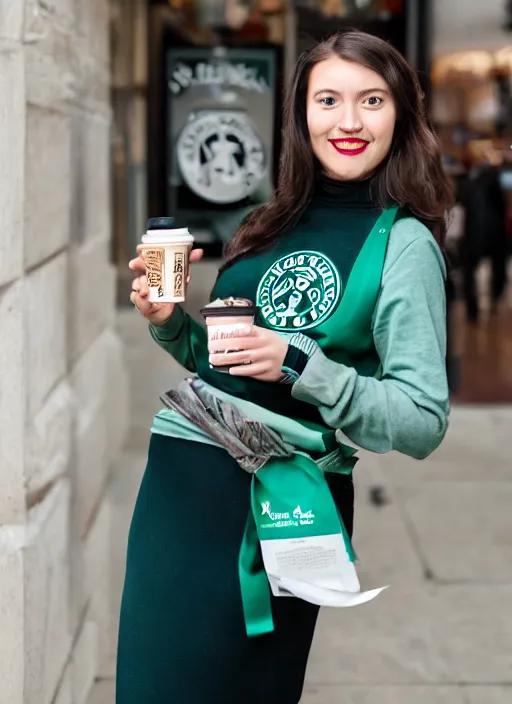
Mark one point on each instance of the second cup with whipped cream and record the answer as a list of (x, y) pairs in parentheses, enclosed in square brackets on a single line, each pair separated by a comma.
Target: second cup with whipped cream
[(226, 320)]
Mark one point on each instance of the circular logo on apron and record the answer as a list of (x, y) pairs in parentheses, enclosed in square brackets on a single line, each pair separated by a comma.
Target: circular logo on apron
[(221, 156), (299, 291)]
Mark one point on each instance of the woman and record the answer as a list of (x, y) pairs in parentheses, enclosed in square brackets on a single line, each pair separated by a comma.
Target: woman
[(346, 267)]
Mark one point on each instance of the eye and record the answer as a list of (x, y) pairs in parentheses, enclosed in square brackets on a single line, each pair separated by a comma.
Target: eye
[(373, 101), (328, 101)]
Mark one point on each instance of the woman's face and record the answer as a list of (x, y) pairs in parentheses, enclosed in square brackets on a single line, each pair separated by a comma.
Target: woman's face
[(351, 118)]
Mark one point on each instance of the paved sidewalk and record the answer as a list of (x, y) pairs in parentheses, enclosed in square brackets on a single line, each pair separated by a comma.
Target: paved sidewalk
[(442, 540)]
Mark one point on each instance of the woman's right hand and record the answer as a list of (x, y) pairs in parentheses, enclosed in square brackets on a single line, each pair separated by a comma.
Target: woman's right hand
[(156, 313)]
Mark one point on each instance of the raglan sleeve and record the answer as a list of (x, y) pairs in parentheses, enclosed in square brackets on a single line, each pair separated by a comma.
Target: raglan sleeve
[(406, 409), (182, 337)]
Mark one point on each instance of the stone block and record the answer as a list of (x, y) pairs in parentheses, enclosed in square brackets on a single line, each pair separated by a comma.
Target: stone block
[(46, 302), (463, 528), (84, 662), (65, 693), (387, 641), (97, 584), (11, 19), (48, 636), (93, 25), (12, 135), (123, 488), (89, 464), (11, 614), (102, 617), (417, 636), (50, 61), (118, 400), (383, 695), (474, 633), (103, 692), (12, 401), (497, 694), (37, 13), (475, 449), (90, 471), (376, 528), (93, 80), (91, 192), (89, 380), (77, 186), (62, 10), (92, 294), (48, 440), (96, 554), (96, 90), (47, 184), (96, 178)]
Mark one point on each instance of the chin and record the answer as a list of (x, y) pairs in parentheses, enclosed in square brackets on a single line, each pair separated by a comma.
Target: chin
[(348, 174)]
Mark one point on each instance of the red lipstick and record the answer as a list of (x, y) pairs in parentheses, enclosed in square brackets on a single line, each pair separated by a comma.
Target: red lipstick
[(349, 146)]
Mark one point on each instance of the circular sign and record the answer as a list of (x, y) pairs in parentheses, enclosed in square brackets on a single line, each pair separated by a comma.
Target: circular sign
[(299, 291), (221, 156)]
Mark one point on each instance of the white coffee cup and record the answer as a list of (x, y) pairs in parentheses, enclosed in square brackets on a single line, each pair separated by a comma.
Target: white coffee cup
[(166, 256)]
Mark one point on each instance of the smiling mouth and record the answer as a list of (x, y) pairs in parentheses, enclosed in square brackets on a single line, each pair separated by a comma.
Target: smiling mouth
[(349, 147)]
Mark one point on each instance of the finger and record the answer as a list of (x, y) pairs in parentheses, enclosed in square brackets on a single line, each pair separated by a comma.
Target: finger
[(236, 344), (241, 357), (143, 286), (137, 264), (196, 255), (261, 333), (134, 298), (140, 286), (143, 305), (254, 370)]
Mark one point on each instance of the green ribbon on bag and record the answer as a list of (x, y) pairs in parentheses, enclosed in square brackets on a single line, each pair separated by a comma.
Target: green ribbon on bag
[(286, 484), (279, 492), (254, 583)]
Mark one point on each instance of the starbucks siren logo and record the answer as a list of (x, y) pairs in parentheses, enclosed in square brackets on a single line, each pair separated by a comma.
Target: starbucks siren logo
[(299, 291), (221, 156)]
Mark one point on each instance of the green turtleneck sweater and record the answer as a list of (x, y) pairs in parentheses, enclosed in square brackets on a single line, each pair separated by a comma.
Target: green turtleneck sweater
[(381, 381)]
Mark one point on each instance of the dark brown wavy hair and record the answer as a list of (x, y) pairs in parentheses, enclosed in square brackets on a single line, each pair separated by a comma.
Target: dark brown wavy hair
[(411, 175)]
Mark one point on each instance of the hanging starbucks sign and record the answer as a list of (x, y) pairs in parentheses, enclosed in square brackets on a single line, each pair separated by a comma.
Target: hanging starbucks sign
[(233, 74), (221, 111), (221, 155)]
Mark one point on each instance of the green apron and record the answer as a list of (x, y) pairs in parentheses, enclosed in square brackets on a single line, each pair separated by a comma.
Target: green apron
[(346, 336)]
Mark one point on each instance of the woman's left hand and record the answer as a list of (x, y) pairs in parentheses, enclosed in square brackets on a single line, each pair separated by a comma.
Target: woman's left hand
[(261, 355)]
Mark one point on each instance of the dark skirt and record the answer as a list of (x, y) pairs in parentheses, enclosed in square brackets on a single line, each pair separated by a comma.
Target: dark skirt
[(182, 636)]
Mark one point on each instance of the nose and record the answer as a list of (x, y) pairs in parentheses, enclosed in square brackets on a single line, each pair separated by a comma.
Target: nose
[(349, 120)]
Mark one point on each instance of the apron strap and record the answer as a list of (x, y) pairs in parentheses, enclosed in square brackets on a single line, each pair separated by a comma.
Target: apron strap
[(254, 583)]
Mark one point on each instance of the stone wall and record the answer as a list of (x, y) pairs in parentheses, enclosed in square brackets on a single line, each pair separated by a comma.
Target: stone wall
[(62, 385)]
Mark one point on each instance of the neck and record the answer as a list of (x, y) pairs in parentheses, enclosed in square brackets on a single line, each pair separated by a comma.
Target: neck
[(345, 194)]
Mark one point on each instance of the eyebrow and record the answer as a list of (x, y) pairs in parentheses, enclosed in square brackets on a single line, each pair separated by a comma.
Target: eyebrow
[(360, 94)]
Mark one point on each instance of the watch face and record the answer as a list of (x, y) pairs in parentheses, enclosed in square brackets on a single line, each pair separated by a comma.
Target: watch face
[(221, 156)]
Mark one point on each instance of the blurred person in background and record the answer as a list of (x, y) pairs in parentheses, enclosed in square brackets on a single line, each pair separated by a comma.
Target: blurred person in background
[(485, 225), (345, 264)]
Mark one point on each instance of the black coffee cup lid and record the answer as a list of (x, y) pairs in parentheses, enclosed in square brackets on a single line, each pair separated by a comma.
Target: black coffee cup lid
[(160, 224), (228, 312)]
